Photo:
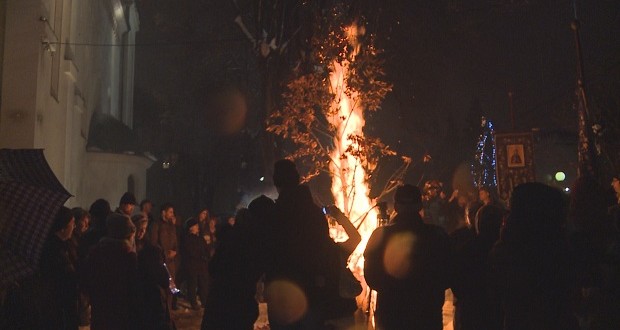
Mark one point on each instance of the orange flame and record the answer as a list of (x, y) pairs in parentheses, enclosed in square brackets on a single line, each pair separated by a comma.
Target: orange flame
[(349, 180)]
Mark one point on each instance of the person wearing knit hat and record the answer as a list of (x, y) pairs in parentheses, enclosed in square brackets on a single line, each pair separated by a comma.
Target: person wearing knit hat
[(189, 223), (126, 204), (194, 261)]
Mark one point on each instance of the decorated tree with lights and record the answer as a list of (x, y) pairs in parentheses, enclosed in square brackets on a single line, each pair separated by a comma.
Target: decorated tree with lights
[(483, 165), (322, 110)]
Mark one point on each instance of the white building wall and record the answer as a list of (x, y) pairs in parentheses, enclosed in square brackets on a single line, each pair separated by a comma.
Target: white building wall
[(99, 166), (60, 65)]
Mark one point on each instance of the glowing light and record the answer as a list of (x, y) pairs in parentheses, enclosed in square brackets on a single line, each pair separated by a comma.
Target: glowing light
[(287, 301), (262, 178), (560, 176)]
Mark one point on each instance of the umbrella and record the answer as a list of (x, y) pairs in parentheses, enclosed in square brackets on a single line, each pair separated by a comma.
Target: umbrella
[(30, 197)]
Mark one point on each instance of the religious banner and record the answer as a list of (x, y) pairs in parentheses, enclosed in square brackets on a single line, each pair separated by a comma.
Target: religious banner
[(514, 161)]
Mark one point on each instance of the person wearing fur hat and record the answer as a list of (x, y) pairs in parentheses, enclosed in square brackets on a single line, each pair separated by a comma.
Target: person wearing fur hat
[(110, 276)]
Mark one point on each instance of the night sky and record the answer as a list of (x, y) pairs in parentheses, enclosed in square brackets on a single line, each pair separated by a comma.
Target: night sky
[(450, 61)]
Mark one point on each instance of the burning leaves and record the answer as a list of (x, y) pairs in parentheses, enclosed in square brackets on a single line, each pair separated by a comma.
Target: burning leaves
[(312, 114)]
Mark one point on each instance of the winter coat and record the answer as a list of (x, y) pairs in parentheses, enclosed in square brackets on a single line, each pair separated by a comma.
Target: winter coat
[(301, 242), (153, 289), (410, 293), (164, 234), (59, 286), (234, 269), (110, 280), (194, 254)]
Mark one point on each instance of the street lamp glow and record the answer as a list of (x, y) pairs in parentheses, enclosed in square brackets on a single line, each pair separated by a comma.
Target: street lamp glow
[(262, 178), (560, 176)]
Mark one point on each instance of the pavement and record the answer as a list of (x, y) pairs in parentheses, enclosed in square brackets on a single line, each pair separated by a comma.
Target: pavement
[(188, 319)]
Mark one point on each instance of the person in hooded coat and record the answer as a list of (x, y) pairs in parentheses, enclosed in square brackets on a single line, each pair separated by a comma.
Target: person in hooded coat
[(110, 276)]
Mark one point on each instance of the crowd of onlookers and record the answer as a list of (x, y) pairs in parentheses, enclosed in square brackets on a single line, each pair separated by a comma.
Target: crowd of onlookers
[(546, 260), (114, 269), (550, 260)]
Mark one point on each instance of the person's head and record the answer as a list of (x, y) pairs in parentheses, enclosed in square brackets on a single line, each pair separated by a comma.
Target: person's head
[(242, 217), (261, 208), (146, 206), (141, 222), (462, 201), (484, 194), (192, 226), (537, 213), (615, 183), (99, 211), (470, 211), (408, 199), (489, 222), (285, 174), (588, 205), (203, 215), (212, 224), (167, 213), (432, 189), (63, 224), (119, 226), (82, 219), (127, 203)]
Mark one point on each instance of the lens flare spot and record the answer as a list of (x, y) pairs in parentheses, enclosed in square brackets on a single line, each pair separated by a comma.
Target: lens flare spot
[(286, 302), (397, 255)]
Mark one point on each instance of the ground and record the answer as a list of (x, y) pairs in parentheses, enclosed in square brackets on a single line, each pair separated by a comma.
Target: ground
[(188, 319)]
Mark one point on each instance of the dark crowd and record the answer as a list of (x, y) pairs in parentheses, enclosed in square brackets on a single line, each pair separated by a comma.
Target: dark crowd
[(547, 260)]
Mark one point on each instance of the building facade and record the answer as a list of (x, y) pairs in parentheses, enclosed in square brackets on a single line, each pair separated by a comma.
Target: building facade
[(63, 63)]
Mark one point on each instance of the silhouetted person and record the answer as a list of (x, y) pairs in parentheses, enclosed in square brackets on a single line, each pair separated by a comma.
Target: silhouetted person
[(409, 264), (531, 264), (236, 267), (82, 222), (99, 211), (164, 234), (152, 281), (110, 276), (475, 307), (146, 207), (595, 242), (301, 251), (195, 260), (342, 303), (59, 277)]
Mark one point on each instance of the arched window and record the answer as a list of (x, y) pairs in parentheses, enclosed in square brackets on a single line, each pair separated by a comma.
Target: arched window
[(131, 184)]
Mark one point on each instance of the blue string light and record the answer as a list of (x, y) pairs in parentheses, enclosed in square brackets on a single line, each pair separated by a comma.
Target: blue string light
[(483, 166)]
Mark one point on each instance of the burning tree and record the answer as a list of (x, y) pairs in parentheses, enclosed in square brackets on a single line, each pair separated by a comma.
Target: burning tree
[(323, 112)]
